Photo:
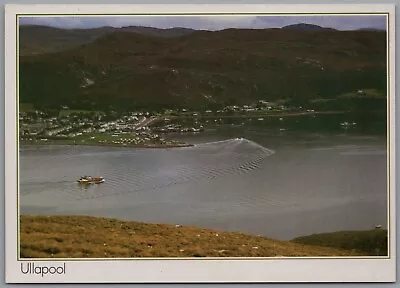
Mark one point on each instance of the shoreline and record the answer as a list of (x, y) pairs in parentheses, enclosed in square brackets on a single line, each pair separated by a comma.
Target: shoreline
[(171, 117), (62, 143), (73, 236), (280, 114)]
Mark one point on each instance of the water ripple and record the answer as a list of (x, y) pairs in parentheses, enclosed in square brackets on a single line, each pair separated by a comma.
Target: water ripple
[(145, 170)]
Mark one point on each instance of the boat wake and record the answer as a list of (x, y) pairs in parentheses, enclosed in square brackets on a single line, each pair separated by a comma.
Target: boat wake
[(203, 161)]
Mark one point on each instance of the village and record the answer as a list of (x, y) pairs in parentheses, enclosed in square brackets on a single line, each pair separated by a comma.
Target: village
[(85, 127), (130, 128)]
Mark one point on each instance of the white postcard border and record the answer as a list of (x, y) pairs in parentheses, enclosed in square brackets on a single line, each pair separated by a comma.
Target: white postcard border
[(187, 270)]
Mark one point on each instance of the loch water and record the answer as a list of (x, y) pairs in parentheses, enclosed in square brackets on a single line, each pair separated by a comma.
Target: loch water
[(266, 177)]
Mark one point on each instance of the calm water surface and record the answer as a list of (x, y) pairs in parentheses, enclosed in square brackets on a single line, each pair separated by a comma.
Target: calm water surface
[(281, 184)]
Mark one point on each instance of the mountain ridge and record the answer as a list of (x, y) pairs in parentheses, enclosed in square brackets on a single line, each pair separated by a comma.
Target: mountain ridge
[(41, 39), (307, 27)]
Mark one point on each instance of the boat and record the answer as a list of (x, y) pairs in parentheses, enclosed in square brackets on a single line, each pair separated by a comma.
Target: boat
[(347, 124), (91, 180)]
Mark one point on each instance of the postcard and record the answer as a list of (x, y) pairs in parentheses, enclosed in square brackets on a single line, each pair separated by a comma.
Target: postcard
[(200, 143)]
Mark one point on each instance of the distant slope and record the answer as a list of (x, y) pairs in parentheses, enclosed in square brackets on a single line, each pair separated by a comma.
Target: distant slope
[(371, 29), (37, 39), (206, 69), (306, 27), (372, 242), (168, 32)]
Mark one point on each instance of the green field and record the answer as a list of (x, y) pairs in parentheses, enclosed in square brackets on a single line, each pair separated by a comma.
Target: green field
[(26, 107), (364, 93)]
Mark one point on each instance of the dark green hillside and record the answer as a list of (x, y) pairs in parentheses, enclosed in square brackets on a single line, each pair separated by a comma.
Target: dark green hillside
[(373, 242), (37, 39), (210, 69)]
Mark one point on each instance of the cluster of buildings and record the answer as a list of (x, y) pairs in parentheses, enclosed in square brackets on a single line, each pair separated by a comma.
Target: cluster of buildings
[(38, 125), (140, 138), (85, 128), (127, 128), (178, 128), (261, 105)]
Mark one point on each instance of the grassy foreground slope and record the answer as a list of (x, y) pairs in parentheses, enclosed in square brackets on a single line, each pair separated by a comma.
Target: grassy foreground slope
[(83, 236)]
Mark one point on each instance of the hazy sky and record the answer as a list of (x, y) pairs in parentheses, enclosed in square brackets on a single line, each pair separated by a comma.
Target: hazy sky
[(345, 22)]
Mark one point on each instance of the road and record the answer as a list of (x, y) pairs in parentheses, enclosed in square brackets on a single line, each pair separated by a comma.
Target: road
[(146, 122)]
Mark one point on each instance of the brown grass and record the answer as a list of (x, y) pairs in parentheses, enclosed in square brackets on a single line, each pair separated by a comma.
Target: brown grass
[(92, 237)]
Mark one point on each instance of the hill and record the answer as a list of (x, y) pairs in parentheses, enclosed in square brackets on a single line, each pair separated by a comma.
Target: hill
[(371, 29), (306, 27), (89, 237), (38, 39), (373, 242), (203, 69)]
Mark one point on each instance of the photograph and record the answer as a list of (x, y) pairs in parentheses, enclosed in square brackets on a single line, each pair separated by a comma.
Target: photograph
[(185, 136)]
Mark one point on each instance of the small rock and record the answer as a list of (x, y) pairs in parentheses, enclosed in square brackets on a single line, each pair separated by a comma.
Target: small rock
[(177, 226), (198, 235), (216, 234), (181, 250), (255, 247), (105, 244)]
